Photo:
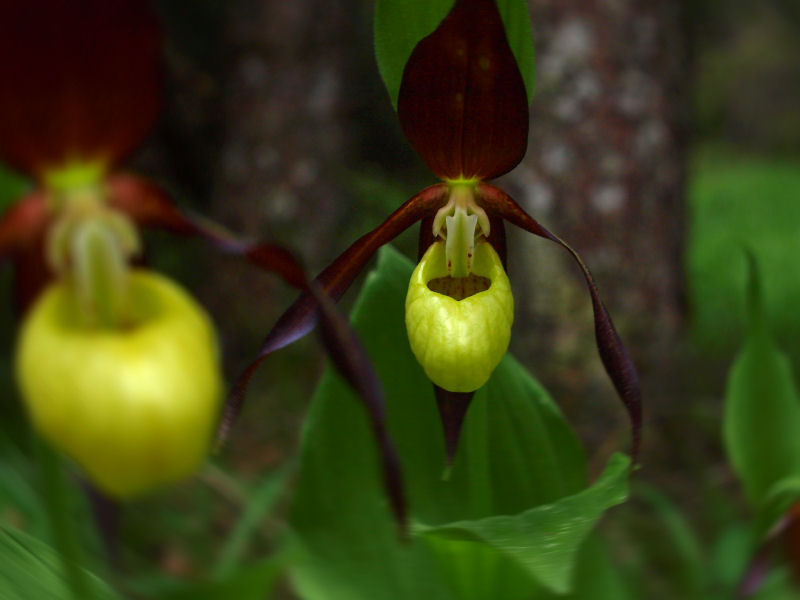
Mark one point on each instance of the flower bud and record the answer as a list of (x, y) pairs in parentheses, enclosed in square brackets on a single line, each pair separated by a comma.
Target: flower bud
[(134, 405), (459, 327)]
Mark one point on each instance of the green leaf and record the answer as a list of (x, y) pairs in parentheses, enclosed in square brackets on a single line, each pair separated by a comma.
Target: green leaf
[(545, 539), (516, 453), (260, 503), (729, 555), (722, 216), (31, 569), (762, 407), (254, 581), (401, 24), (689, 573), (596, 576), (12, 186), (775, 503), (251, 582)]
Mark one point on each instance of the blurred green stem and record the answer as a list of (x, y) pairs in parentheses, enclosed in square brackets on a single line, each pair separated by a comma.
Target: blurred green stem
[(55, 500)]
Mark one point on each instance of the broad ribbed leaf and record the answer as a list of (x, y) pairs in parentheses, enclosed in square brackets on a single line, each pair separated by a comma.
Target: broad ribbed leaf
[(462, 101), (544, 540), (399, 26), (31, 569), (81, 81), (516, 453), (762, 407), (481, 572)]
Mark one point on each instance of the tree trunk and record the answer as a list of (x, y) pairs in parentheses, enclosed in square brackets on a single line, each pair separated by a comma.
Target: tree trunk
[(605, 170)]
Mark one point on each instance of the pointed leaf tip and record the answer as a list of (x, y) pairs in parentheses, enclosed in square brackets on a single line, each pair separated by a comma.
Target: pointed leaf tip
[(81, 81), (462, 101)]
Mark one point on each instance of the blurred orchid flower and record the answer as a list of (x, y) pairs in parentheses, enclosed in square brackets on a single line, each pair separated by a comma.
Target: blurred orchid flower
[(82, 89)]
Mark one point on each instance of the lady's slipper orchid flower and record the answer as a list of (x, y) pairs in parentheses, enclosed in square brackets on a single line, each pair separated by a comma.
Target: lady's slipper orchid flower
[(462, 105), (118, 367)]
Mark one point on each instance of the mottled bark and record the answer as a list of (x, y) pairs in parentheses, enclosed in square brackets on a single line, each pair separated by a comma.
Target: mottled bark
[(287, 136), (605, 170), (289, 103)]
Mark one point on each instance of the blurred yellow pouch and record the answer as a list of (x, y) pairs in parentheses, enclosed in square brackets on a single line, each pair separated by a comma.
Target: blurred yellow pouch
[(135, 406)]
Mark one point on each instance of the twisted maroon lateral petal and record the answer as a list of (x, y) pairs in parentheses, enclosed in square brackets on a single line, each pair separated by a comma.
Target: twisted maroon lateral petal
[(497, 238), (147, 204), (301, 317), (151, 207), (22, 237), (617, 362), (462, 101), (81, 80)]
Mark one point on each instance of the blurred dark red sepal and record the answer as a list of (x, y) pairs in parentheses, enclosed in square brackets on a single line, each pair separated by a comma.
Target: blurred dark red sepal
[(613, 354), (81, 80), (22, 236), (462, 101), (151, 208)]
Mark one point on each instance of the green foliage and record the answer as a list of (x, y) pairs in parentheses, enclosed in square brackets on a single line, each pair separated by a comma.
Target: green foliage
[(31, 569), (748, 91), (518, 458), (762, 408), (248, 582), (545, 539), (400, 25), (12, 186), (678, 541), (261, 501), (736, 202)]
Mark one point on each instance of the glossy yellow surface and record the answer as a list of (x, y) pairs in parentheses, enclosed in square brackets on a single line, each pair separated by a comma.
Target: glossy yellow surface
[(134, 406), (459, 342)]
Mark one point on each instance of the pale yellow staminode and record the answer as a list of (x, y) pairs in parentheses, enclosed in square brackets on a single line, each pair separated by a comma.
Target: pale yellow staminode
[(459, 342), (135, 406)]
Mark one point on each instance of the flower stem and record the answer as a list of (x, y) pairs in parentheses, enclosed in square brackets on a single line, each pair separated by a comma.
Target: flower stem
[(100, 273), (63, 531)]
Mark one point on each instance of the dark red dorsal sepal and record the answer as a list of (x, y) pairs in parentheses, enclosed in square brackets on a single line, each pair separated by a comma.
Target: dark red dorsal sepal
[(462, 101), (81, 81)]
